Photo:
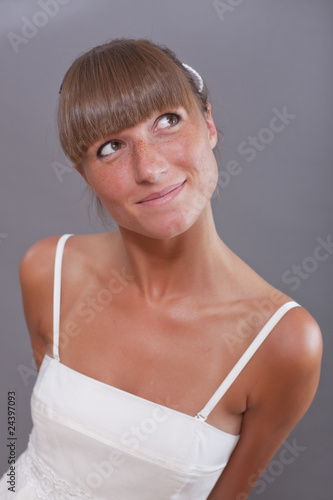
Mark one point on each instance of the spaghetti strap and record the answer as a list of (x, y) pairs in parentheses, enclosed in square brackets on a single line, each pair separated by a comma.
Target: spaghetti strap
[(244, 359), (57, 293)]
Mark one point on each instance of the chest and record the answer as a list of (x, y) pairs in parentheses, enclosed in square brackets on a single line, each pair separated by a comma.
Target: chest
[(176, 356)]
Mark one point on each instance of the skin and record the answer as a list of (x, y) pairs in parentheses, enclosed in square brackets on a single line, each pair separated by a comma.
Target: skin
[(172, 333)]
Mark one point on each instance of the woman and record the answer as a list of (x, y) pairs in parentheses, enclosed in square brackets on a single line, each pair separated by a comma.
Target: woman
[(171, 370)]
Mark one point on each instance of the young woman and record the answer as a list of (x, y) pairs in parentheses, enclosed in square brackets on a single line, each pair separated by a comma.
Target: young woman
[(171, 370)]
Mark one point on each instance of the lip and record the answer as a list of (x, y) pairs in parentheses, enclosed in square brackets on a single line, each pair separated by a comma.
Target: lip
[(162, 196)]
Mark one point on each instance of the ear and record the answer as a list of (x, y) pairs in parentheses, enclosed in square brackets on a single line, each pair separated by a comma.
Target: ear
[(79, 169), (212, 132)]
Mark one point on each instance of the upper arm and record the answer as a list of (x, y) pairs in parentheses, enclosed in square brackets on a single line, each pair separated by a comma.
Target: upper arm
[(36, 279), (283, 389)]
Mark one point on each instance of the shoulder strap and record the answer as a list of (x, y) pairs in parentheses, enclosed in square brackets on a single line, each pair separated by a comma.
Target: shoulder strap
[(244, 359), (57, 293)]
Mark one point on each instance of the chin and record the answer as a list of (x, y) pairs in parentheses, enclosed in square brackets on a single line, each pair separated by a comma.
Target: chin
[(165, 227), (164, 223)]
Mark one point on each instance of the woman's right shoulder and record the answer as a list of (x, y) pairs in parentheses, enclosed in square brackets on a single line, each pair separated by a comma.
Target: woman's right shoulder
[(37, 263), (36, 269), (36, 273)]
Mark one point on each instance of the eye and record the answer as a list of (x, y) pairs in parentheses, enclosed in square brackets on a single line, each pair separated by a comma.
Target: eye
[(168, 120), (108, 148)]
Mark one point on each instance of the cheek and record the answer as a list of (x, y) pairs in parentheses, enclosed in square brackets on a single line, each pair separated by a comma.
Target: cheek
[(199, 159), (185, 153), (111, 186), (204, 170)]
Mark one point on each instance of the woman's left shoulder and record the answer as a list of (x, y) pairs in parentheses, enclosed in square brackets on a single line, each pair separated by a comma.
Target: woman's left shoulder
[(289, 367), (297, 339)]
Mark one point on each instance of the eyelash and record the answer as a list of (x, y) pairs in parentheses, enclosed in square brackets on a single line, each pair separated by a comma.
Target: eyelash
[(100, 149), (171, 114)]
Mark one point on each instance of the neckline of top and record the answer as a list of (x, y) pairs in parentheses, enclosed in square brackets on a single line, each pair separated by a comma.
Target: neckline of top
[(135, 396)]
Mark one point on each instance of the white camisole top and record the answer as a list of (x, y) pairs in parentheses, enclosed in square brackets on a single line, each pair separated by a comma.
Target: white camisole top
[(93, 441)]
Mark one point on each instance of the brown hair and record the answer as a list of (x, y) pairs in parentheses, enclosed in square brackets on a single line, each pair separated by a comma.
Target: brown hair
[(117, 85)]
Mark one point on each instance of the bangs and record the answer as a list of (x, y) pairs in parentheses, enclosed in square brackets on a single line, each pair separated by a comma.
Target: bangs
[(116, 86)]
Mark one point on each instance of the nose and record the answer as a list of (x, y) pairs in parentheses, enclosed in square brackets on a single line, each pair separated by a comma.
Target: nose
[(149, 163)]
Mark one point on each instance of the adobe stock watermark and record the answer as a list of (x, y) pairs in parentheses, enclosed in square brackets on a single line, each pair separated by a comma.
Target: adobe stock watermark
[(265, 136), (30, 27), (60, 169), (262, 311), (132, 439), (223, 8), (287, 455), (249, 148), (298, 272)]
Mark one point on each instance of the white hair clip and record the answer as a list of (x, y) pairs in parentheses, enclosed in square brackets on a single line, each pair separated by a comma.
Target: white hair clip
[(197, 76)]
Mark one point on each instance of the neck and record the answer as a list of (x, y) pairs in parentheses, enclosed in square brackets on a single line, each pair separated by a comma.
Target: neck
[(170, 268)]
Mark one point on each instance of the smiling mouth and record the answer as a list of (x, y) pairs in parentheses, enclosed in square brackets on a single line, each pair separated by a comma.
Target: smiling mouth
[(163, 196)]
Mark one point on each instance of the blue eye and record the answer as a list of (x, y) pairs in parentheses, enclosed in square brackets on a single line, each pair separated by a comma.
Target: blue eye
[(168, 120), (108, 148)]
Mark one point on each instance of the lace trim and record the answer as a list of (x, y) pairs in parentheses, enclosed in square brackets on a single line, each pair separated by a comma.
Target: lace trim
[(46, 483)]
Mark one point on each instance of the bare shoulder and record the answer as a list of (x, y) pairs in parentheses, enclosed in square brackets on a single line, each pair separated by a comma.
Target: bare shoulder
[(285, 371), (281, 381), (36, 267), (37, 277), (37, 264), (289, 364), (296, 341), (296, 336)]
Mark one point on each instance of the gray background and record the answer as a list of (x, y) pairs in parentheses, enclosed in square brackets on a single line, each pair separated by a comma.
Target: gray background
[(261, 55)]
